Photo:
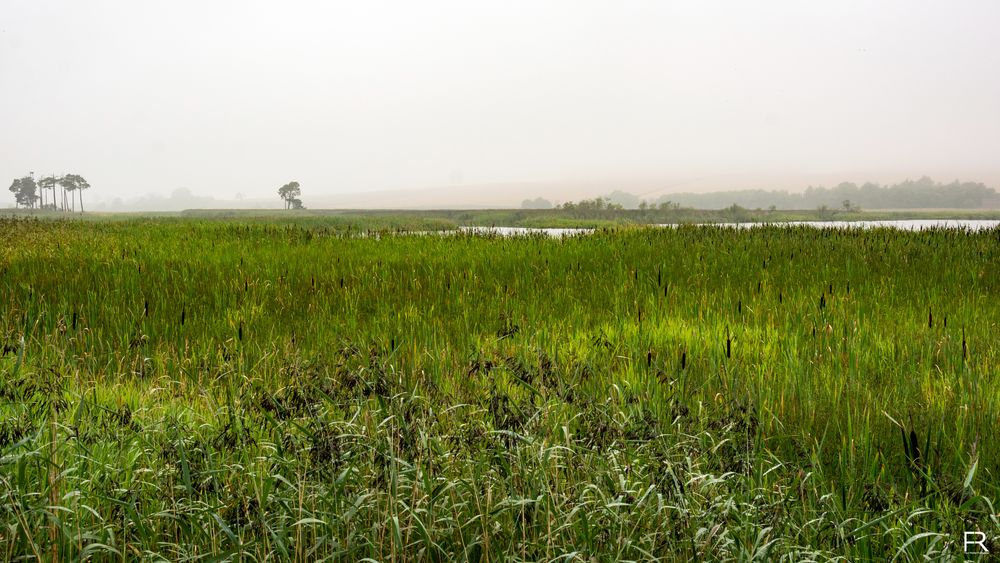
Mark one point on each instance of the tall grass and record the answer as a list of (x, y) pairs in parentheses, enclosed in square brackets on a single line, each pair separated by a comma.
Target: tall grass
[(175, 389)]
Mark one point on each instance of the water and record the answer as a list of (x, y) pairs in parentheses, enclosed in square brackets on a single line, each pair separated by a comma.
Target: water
[(519, 231), (903, 225)]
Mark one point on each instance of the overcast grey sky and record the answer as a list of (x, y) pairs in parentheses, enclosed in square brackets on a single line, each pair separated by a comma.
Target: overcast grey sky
[(237, 96)]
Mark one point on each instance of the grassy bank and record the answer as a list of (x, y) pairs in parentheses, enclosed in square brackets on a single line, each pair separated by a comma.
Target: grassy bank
[(426, 220), (178, 388)]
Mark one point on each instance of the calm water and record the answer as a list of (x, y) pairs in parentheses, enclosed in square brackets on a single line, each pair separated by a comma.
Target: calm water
[(906, 225)]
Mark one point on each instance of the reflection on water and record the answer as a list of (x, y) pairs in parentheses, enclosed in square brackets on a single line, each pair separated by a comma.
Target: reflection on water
[(905, 225)]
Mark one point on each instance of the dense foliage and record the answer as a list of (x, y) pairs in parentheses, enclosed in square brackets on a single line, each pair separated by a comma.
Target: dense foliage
[(171, 389)]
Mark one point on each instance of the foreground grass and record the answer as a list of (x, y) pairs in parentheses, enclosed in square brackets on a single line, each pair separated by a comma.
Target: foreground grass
[(174, 389)]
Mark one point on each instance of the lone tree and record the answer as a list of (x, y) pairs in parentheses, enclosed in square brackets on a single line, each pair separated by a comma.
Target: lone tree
[(290, 193)]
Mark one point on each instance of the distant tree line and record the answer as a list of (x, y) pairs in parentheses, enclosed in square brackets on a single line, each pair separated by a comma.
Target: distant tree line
[(911, 194), (58, 193), (605, 207), (609, 204)]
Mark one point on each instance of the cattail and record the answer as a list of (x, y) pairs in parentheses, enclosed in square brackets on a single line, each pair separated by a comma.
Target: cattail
[(965, 349), (684, 358), (649, 358), (728, 343), (822, 301), (74, 320), (946, 321), (341, 283), (659, 277), (739, 307), (930, 318), (758, 286), (182, 315), (145, 309), (240, 333)]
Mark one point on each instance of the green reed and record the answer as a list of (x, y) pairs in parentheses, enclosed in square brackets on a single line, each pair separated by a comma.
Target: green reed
[(174, 389)]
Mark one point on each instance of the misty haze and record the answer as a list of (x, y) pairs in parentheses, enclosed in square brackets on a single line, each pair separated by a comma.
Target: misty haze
[(520, 281), (455, 99)]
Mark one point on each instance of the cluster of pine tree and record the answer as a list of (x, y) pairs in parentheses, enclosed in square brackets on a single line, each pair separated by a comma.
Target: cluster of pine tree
[(57, 193)]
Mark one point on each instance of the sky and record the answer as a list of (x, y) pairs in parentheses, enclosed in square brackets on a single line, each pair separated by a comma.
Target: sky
[(238, 97)]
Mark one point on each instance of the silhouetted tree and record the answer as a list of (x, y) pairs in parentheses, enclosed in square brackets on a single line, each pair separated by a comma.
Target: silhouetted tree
[(289, 192), (48, 183), (25, 191), (67, 184), (75, 183)]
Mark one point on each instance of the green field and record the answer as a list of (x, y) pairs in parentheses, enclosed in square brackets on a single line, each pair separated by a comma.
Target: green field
[(243, 389)]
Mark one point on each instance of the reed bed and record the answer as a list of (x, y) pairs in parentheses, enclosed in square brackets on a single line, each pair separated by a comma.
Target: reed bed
[(231, 390)]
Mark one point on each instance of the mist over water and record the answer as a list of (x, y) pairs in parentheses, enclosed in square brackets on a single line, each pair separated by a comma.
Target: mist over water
[(447, 103)]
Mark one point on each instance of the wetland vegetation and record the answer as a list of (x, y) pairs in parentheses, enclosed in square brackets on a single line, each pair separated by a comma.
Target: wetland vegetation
[(246, 389)]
